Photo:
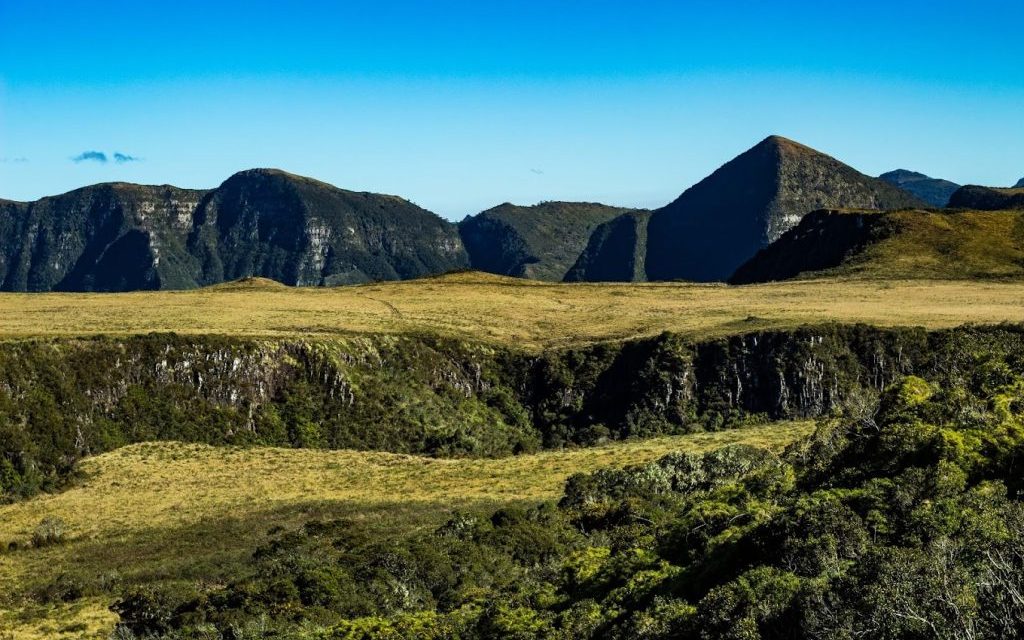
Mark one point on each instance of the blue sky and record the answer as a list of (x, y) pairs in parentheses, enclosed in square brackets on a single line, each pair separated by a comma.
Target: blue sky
[(459, 106)]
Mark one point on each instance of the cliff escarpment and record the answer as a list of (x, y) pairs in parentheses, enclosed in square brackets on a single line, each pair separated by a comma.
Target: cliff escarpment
[(61, 400)]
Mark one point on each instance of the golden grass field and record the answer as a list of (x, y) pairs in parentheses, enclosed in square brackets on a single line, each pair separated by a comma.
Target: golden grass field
[(522, 313), (151, 511)]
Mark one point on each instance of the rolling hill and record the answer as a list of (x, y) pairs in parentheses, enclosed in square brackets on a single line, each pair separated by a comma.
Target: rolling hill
[(540, 242), (718, 224), (897, 244)]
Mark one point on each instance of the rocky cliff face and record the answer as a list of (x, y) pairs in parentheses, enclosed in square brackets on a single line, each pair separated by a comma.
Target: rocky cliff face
[(108, 237), (615, 252), (540, 242), (719, 223), (301, 231), (987, 198), (118, 237), (933, 191)]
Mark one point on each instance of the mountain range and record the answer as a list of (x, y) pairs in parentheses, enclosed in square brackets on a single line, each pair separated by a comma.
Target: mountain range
[(299, 231)]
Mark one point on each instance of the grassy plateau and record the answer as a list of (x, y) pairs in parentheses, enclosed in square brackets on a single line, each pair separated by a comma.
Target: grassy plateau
[(520, 313)]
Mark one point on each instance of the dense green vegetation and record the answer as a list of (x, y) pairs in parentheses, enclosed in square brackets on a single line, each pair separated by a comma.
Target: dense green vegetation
[(62, 400), (900, 519)]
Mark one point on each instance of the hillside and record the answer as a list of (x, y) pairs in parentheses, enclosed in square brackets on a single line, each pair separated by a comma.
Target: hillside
[(933, 191), (987, 198), (540, 242), (969, 245), (118, 237), (615, 252), (1020, 184), (719, 223)]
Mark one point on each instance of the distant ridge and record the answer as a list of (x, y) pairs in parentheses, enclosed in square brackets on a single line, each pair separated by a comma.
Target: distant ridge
[(752, 200), (540, 242), (1020, 184), (934, 191)]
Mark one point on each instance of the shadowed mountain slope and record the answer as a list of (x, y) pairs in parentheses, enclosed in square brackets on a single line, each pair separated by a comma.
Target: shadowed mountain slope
[(722, 221), (540, 242), (615, 252), (906, 244)]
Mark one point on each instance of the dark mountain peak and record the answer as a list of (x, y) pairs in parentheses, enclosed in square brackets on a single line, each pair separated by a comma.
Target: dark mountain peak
[(902, 176), (749, 202), (934, 191), (1020, 184)]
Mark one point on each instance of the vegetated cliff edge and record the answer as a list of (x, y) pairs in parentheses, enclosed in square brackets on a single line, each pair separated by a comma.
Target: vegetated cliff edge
[(61, 400)]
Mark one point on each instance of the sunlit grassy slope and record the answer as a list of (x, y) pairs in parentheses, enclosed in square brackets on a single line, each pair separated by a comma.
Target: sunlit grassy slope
[(517, 312), (168, 511)]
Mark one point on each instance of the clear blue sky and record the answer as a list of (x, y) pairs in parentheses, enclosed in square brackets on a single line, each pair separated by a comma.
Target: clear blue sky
[(459, 106)]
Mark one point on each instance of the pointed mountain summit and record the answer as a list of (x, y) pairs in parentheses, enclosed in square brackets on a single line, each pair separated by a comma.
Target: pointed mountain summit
[(1020, 184), (722, 221), (934, 191)]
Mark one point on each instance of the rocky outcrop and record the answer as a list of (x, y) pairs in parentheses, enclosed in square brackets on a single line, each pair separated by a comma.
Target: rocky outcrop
[(268, 223), (615, 252), (987, 198), (934, 191), (541, 242), (718, 224)]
